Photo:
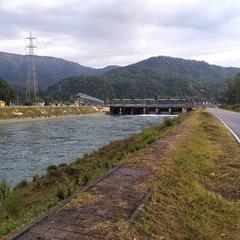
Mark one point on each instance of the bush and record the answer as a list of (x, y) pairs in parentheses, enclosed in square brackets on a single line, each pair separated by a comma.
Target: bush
[(70, 170), (64, 190), (22, 184), (35, 178), (62, 165), (84, 179), (168, 121), (51, 168), (61, 192), (4, 189), (11, 206)]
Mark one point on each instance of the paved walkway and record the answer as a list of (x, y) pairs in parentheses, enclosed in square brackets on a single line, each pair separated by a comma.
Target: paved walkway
[(115, 197), (231, 119)]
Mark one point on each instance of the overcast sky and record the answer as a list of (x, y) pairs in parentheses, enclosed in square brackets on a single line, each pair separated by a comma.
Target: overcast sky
[(97, 33)]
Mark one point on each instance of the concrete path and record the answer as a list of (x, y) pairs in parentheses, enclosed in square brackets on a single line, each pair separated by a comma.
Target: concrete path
[(231, 119), (115, 197)]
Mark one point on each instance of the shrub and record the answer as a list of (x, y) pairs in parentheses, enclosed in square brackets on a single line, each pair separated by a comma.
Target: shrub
[(35, 178), (64, 190), (51, 168), (11, 206), (62, 165), (22, 184), (84, 179), (61, 192), (70, 170), (168, 121), (4, 189)]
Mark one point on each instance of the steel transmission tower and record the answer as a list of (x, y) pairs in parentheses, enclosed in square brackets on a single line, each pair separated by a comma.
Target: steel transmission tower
[(32, 84)]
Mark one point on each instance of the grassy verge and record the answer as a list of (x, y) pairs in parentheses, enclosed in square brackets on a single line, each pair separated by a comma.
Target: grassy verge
[(235, 108), (34, 112), (197, 192), (28, 200)]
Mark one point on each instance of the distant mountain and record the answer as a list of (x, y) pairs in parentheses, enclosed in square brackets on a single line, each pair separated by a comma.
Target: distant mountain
[(154, 77), (13, 69)]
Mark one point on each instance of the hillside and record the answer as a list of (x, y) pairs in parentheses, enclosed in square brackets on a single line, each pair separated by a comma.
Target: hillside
[(6, 93), (154, 77), (13, 68)]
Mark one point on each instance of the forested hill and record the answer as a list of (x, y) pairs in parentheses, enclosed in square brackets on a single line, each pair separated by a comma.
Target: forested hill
[(13, 68), (154, 77), (6, 93)]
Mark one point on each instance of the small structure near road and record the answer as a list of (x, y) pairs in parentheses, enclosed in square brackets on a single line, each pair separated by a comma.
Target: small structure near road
[(150, 106), (83, 99), (2, 103)]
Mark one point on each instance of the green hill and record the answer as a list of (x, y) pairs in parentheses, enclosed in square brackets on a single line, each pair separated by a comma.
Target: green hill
[(13, 68), (155, 77)]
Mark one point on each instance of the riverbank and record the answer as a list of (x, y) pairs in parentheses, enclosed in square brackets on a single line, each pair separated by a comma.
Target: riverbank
[(36, 112), (30, 199), (36, 119), (194, 169)]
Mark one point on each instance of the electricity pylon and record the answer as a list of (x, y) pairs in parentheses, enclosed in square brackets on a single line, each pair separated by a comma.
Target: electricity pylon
[(32, 84)]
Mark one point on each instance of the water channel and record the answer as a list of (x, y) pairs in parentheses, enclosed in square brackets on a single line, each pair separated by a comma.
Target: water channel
[(27, 148)]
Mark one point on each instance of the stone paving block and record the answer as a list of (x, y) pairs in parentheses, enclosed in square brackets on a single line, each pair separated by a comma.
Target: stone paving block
[(63, 219), (30, 236), (54, 224), (74, 228), (38, 229), (73, 236), (56, 233)]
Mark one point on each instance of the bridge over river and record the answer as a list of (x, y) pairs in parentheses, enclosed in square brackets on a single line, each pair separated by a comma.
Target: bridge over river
[(149, 106)]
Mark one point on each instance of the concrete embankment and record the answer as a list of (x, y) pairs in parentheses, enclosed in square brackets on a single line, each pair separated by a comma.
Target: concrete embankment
[(9, 113)]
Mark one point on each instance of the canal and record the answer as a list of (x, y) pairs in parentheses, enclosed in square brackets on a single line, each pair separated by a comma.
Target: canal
[(27, 148)]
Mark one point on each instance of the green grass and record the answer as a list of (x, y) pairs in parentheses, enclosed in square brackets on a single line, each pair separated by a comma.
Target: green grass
[(197, 193), (61, 181), (34, 112)]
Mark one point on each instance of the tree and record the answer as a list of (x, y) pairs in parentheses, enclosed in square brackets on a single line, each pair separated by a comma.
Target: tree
[(6, 93), (232, 93)]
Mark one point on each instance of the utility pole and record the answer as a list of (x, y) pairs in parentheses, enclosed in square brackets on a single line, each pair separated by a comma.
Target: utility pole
[(237, 94), (32, 84)]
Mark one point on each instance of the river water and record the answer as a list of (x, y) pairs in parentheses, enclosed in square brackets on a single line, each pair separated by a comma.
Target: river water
[(27, 148)]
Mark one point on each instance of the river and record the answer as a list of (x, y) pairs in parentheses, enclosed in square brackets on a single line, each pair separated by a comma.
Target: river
[(27, 148)]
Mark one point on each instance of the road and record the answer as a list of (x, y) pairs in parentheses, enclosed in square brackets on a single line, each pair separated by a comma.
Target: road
[(231, 119)]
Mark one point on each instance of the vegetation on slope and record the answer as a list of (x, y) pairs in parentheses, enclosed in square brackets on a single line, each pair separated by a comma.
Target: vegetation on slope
[(232, 94), (14, 67), (155, 77), (6, 93), (196, 194), (35, 111)]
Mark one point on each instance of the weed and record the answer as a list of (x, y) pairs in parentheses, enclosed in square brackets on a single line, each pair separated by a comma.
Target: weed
[(35, 178), (4, 189), (22, 184), (11, 206), (64, 190), (51, 168), (62, 165), (70, 170), (168, 121)]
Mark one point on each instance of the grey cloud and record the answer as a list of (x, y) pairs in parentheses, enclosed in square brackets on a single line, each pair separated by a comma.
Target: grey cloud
[(108, 30)]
